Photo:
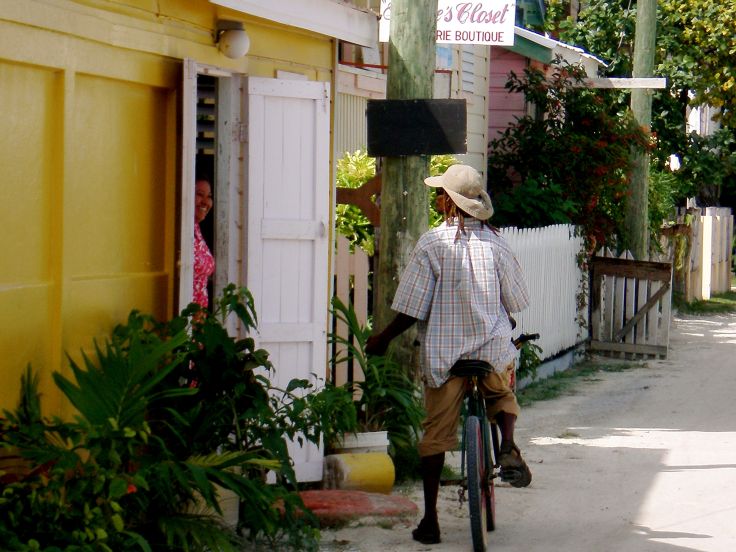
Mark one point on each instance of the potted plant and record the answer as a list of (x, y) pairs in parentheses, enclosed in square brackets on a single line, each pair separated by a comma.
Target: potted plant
[(238, 409), (388, 401)]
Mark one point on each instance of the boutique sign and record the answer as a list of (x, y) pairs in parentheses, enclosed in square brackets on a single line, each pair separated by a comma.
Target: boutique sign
[(480, 22)]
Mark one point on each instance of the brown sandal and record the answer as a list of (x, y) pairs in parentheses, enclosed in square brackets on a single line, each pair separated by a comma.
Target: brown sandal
[(513, 468)]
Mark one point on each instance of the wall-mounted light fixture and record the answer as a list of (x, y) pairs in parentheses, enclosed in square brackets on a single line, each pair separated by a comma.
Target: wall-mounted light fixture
[(231, 38)]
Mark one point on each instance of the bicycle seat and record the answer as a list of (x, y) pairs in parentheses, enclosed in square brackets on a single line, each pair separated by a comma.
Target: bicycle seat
[(465, 368)]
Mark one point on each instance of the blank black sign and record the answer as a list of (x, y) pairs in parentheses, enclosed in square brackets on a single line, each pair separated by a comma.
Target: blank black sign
[(416, 127)]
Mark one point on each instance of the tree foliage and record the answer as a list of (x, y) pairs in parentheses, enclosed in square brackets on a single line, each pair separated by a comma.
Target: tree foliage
[(696, 44), (355, 169), (695, 52)]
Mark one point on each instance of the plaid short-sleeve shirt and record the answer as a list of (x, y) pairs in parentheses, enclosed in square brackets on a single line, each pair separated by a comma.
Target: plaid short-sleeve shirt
[(460, 291)]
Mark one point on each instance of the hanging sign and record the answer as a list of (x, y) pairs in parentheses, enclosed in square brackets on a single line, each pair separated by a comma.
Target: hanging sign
[(480, 22), (416, 127)]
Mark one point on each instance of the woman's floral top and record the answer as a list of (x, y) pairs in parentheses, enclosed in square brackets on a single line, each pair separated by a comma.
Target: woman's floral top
[(204, 266)]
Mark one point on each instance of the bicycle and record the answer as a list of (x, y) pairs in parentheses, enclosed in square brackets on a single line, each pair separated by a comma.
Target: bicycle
[(479, 453)]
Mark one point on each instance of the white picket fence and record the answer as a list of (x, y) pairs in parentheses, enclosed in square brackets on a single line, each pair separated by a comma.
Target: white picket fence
[(548, 258), (351, 287), (709, 268)]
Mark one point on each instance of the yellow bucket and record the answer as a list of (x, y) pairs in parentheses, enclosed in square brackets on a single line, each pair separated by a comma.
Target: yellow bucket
[(367, 471)]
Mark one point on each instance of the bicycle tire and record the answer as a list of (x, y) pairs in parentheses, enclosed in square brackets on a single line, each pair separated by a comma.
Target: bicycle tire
[(490, 498), (477, 502), (491, 494)]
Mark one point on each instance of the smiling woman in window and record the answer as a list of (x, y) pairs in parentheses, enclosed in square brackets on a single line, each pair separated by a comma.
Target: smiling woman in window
[(204, 262)]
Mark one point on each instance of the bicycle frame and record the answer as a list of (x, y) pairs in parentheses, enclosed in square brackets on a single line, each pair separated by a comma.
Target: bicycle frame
[(476, 406)]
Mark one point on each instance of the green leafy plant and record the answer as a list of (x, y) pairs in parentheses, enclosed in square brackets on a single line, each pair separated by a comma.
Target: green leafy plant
[(529, 361), (169, 415), (355, 169), (236, 406), (388, 398), (106, 481)]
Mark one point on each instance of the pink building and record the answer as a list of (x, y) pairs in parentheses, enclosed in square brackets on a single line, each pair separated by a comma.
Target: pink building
[(529, 49)]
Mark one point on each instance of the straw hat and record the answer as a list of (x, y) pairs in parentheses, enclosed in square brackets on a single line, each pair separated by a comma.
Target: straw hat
[(465, 187)]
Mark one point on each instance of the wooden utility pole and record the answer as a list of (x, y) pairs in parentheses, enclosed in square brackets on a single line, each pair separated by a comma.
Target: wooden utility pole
[(411, 64), (637, 205)]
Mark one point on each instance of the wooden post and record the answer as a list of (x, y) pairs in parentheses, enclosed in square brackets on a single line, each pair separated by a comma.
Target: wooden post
[(411, 63), (637, 206)]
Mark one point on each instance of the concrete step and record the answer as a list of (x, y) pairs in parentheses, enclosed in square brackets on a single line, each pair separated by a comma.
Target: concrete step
[(337, 508)]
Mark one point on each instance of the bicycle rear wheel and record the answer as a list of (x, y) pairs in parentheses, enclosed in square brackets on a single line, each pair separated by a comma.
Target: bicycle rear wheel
[(490, 498), (491, 488), (477, 495)]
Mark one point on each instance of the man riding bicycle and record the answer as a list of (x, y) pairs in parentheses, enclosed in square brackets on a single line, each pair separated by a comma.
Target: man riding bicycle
[(461, 283)]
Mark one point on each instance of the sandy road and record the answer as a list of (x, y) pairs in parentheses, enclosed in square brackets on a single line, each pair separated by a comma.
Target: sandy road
[(635, 461)]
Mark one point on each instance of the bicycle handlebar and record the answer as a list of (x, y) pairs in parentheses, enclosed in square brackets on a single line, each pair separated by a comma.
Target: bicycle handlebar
[(523, 338)]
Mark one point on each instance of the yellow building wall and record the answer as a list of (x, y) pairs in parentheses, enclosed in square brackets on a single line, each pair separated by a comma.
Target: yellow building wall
[(89, 95), (30, 161)]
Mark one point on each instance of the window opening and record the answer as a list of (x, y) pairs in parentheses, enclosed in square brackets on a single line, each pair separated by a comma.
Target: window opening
[(206, 156)]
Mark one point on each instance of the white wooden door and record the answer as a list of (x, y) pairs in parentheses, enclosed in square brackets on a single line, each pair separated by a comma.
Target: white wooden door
[(188, 151), (287, 216)]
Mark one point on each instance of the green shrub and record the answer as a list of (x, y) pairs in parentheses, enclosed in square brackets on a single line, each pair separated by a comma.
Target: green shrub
[(354, 170), (389, 399), (569, 162), (166, 413)]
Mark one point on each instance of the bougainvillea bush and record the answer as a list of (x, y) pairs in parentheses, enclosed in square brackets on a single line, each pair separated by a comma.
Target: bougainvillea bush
[(567, 163)]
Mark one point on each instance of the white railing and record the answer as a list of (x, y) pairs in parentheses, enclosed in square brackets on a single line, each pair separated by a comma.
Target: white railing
[(548, 257)]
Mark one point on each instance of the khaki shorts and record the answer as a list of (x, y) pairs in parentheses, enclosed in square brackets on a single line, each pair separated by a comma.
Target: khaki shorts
[(443, 406)]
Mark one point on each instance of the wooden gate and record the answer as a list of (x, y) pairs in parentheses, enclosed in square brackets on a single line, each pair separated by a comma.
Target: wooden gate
[(630, 307)]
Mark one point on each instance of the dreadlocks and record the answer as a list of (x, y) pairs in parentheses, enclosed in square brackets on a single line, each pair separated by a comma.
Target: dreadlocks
[(452, 212)]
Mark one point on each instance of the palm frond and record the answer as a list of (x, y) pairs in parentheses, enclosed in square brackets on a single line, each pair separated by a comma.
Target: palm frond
[(229, 459), (198, 533), (117, 388), (29, 405)]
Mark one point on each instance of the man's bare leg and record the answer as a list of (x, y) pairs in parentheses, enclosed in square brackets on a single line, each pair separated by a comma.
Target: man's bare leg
[(428, 531)]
